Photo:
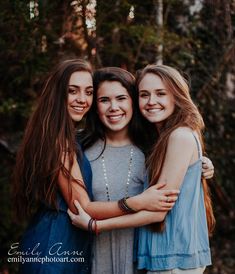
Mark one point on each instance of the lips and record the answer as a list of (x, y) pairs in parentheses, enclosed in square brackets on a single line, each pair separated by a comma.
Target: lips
[(154, 110), (78, 109), (115, 118)]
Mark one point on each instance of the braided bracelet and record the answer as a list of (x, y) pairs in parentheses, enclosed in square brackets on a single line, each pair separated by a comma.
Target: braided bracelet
[(122, 204)]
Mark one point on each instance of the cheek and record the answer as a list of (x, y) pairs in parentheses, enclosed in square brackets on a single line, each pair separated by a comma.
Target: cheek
[(100, 109), (89, 100), (141, 104), (69, 99), (129, 107)]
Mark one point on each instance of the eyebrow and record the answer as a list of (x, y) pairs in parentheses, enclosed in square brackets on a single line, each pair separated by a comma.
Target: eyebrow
[(75, 86), (121, 95), (158, 89), (118, 96)]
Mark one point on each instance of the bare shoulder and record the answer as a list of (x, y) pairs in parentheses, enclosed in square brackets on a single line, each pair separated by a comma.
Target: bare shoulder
[(182, 136)]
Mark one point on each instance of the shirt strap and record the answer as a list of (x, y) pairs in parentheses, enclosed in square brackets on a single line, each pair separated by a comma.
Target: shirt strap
[(199, 148)]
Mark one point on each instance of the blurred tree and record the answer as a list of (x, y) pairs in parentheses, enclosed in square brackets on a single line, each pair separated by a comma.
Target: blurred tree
[(194, 36)]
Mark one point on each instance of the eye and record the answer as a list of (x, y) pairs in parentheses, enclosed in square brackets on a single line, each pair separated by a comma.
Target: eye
[(143, 95), (161, 93), (122, 98), (103, 100), (72, 91), (89, 92)]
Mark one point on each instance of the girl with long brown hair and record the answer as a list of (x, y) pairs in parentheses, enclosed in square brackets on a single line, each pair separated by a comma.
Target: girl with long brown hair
[(181, 245), (46, 155)]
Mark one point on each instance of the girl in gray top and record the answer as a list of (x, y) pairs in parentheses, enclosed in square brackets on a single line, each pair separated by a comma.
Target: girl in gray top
[(117, 162)]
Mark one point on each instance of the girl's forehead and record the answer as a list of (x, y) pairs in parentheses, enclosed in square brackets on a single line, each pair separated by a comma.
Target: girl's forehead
[(113, 88), (81, 78), (151, 81)]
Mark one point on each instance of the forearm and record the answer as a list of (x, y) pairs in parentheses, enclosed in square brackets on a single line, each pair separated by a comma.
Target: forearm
[(102, 210), (134, 220)]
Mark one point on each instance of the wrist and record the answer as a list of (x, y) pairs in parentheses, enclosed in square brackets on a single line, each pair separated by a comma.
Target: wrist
[(93, 226), (135, 202)]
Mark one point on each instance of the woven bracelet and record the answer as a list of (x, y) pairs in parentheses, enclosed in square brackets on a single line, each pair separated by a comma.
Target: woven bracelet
[(122, 204)]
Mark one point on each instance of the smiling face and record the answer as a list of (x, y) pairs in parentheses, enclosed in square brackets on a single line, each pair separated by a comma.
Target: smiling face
[(80, 94), (114, 106), (156, 102)]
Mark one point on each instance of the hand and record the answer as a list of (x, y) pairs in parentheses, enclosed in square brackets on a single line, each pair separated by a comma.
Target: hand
[(81, 219), (157, 199), (207, 168)]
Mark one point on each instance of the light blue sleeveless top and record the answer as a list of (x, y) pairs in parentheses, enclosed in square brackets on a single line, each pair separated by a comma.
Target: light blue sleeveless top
[(184, 242)]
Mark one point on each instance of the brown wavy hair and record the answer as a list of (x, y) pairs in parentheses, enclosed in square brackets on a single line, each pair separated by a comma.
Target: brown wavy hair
[(49, 133), (185, 114)]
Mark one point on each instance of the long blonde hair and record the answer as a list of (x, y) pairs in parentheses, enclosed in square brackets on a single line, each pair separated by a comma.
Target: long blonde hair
[(185, 114)]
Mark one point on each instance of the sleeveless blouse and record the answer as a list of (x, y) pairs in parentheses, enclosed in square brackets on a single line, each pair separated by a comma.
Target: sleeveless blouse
[(184, 242), (51, 236)]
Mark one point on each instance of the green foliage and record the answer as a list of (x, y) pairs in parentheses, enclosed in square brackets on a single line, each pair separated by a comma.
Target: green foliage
[(201, 44)]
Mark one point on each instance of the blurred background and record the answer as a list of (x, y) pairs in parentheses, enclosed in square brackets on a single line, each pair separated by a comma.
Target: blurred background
[(195, 36)]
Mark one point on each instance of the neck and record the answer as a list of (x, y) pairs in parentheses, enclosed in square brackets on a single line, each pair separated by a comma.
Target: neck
[(158, 127), (118, 138)]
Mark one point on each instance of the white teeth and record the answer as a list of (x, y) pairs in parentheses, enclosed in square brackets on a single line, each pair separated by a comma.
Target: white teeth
[(154, 110), (80, 109), (115, 118)]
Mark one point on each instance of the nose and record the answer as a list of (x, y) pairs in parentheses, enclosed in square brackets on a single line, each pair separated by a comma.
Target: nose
[(81, 98), (113, 105), (152, 100)]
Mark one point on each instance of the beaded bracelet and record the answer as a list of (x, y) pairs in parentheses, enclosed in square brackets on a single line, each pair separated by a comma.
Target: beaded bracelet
[(122, 204)]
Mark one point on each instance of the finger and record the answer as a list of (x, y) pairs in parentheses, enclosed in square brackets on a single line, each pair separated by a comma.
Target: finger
[(205, 160), (208, 163), (71, 215), (207, 175), (78, 206), (160, 185), (167, 192), (207, 166), (172, 198), (164, 199), (169, 199), (167, 206)]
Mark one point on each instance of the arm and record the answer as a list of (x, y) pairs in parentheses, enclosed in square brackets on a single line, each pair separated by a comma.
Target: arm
[(134, 220), (103, 210), (180, 152)]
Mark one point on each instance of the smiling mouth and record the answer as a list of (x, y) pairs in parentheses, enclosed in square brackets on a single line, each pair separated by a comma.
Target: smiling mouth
[(114, 118), (154, 110), (78, 109)]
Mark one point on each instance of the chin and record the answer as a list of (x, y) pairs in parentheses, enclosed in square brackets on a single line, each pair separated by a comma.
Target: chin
[(76, 118)]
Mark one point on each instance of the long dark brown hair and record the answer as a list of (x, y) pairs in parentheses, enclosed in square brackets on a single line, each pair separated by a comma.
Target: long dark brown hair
[(185, 114), (50, 133), (138, 126)]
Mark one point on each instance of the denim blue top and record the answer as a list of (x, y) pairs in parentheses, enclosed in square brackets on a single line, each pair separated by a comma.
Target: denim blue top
[(184, 242), (58, 239)]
